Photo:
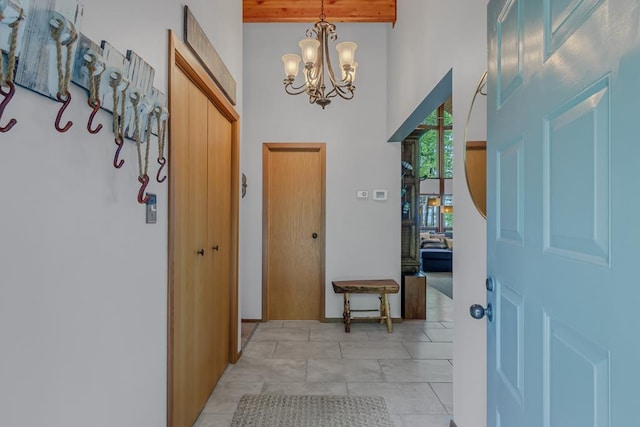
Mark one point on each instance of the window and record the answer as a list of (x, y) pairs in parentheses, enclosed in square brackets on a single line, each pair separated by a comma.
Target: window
[(436, 145), (433, 217)]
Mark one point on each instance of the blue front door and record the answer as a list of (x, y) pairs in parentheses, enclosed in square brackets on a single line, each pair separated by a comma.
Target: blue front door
[(563, 209)]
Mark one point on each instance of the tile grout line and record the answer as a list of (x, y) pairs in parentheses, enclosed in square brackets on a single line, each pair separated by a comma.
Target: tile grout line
[(438, 397)]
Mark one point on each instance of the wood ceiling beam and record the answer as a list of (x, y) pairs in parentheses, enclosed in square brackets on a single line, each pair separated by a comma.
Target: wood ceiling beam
[(309, 11)]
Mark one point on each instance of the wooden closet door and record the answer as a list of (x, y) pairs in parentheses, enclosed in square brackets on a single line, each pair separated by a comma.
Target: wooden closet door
[(203, 236), (183, 369), (204, 344), (194, 342), (219, 232)]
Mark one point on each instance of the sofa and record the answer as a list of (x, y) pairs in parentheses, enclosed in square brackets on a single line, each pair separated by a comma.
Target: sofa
[(436, 252)]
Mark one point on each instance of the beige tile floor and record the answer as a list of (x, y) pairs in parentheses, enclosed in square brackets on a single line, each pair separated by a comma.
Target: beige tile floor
[(411, 367)]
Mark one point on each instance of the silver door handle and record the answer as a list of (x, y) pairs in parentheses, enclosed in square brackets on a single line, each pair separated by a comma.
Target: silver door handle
[(478, 312)]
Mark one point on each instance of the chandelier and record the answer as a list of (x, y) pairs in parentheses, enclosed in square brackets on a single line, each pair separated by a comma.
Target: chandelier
[(315, 57)]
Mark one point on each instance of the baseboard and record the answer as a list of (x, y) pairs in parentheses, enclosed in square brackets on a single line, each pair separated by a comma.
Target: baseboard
[(453, 424), (252, 320)]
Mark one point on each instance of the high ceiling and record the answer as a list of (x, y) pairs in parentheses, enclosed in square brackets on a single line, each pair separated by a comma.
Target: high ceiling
[(309, 10)]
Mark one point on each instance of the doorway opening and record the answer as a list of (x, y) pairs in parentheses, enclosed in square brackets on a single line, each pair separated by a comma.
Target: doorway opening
[(435, 204), (427, 213)]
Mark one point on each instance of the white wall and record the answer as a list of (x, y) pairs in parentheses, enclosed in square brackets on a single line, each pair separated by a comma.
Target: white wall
[(362, 236), (83, 279), (430, 38)]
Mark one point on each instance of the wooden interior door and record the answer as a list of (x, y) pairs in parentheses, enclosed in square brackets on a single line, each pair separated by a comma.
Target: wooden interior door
[(293, 231), (203, 234), (183, 273), (219, 237), (201, 366), (194, 296)]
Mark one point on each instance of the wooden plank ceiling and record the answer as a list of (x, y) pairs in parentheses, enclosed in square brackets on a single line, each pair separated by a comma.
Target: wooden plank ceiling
[(309, 10)]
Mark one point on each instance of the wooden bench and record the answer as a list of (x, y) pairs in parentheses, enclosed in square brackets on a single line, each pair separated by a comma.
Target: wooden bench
[(382, 287)]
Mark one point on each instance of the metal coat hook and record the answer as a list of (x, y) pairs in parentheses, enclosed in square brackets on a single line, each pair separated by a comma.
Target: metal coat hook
[(96, 107), (8, 95), (65, 103), (117, 161), (162, 162), (64, 34), (116, 81), (95, 68), (162, 116), (144, 180)]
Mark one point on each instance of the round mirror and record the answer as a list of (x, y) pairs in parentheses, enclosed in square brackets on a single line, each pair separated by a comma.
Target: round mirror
[(475, 151)]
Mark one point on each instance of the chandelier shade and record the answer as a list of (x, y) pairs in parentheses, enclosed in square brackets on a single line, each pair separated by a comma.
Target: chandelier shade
[(291, 64), (320, 82), (309, 48), (346, 53)]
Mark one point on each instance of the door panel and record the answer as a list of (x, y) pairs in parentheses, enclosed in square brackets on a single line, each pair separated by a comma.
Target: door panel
[(219, 234), (294, 209), (185, 261), (202, 356), (193, 377), (561, 137)]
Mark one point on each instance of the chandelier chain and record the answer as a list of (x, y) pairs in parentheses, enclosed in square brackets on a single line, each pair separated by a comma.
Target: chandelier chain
[(322, 15)]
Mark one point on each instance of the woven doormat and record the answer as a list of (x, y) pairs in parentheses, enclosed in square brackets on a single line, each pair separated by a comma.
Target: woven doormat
[(265, 410)]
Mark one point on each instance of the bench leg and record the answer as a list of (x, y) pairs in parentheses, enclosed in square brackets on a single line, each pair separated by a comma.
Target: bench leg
[(382, 309), (346, 314), (387, 311)]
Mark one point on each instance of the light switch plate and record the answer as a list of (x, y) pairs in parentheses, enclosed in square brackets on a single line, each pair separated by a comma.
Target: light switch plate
[(151, 209), (379, 194)]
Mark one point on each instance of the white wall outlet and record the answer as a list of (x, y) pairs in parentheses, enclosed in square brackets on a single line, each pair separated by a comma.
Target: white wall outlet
[(379, 194), (362, 194)]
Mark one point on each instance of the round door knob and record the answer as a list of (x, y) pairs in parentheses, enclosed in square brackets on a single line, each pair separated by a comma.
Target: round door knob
[(478, 312), (314, 235), (200, 252)]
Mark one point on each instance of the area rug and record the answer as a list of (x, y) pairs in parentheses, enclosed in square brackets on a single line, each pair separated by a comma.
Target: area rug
[(266, 410), (442, 281)]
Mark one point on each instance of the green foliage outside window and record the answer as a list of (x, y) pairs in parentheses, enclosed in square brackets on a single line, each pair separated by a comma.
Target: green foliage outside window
[(429, 148), (447, 220), (432, 119), (447, 171), (429, 155)]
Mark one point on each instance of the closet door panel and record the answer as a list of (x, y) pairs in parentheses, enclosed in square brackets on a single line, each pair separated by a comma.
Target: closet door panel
[(204, 345), (184, 259), (219, 214)]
